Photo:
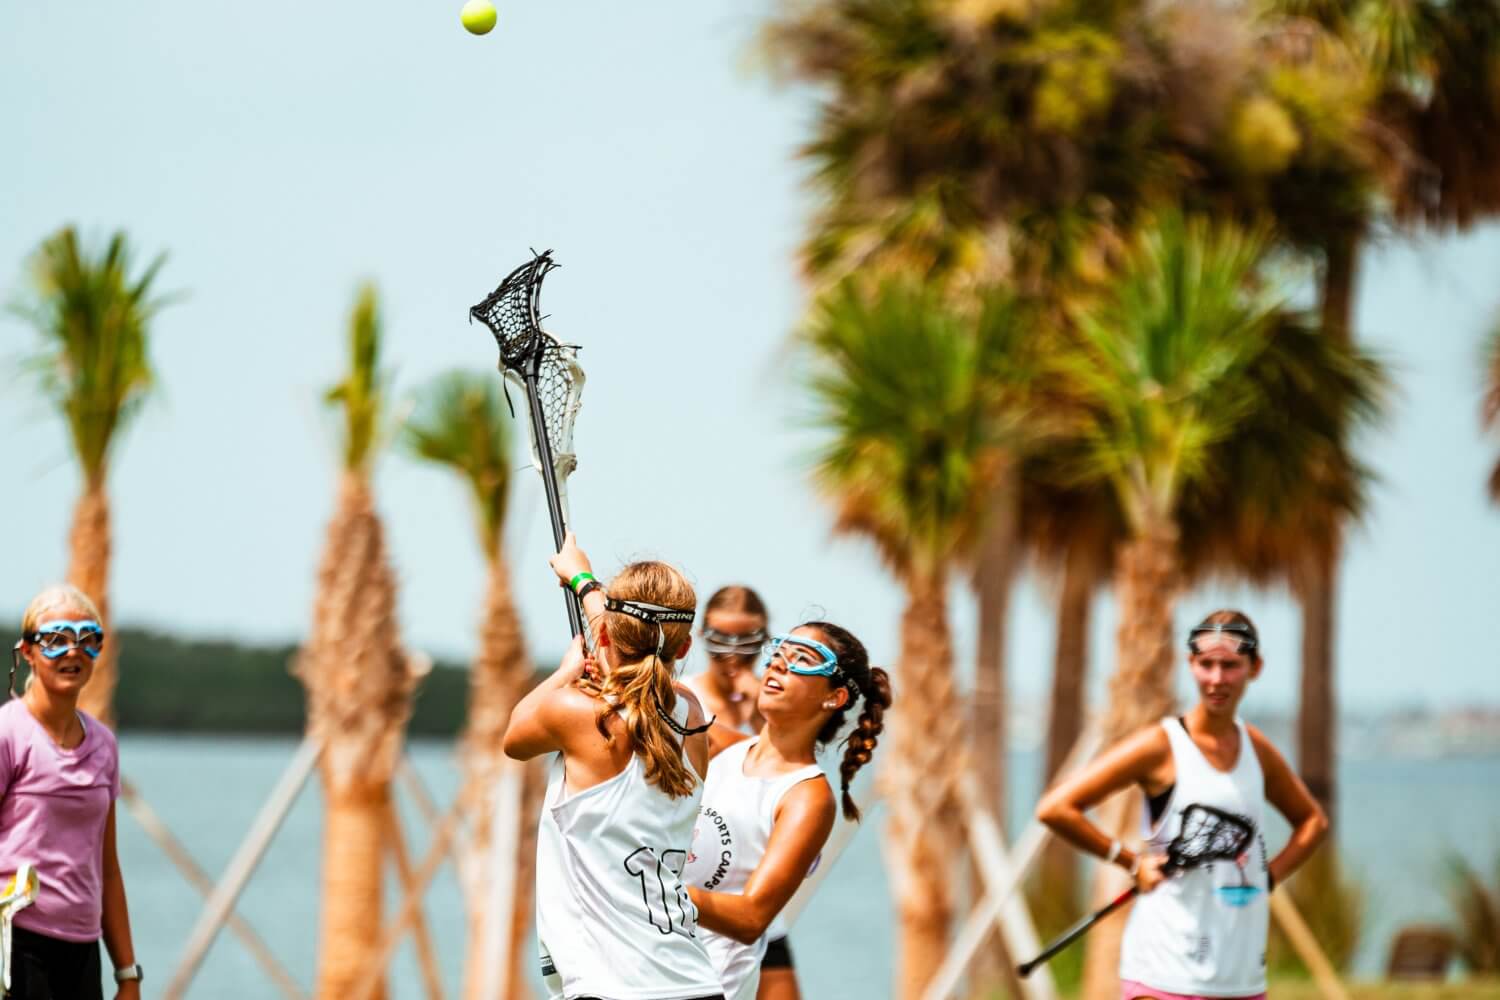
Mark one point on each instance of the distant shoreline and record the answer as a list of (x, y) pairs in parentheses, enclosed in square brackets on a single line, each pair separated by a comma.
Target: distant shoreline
[(191, 687)]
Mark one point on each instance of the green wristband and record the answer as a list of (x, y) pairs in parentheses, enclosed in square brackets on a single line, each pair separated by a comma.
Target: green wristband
[(573, 583)]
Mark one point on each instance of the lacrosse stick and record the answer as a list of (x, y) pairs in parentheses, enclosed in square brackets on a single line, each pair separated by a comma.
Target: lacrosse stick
[(547, 371), (1207, 835), (20, 892)]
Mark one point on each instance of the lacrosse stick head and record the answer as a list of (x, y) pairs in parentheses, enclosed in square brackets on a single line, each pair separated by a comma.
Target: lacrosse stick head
[(560, 392), (1208, 835), (513, 312)]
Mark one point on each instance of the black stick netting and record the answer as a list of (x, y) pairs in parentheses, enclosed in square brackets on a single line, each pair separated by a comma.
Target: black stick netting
[(512, 311), (1208, 835)]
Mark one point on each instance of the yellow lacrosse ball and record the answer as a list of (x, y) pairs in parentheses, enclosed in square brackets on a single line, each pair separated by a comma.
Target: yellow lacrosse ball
[(478, 16)]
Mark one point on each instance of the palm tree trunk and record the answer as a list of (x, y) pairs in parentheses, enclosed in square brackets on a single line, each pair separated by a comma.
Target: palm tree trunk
[(89, 543), (497, 681), (533, 791), (353, 846), (1140, 692), (1146, 580), (359, 684), (993, 582), (925, 758), (994, 578), (1065, 718), (1317, 713)]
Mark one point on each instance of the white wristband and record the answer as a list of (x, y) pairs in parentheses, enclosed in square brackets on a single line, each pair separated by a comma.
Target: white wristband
[(1114, 852)]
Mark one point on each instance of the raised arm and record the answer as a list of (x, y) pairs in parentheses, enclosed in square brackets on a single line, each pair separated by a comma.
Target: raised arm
[(803, 821), (1137, 760), (1290, 796), (541, 721)]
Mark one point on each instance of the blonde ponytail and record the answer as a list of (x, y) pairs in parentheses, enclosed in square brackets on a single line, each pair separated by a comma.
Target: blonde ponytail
[(638, 686)]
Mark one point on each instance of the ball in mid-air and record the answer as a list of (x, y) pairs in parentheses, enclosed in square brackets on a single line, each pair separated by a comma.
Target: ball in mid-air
[(478, 16)]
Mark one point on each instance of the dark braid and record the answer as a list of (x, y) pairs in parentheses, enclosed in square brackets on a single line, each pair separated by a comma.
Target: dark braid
[(870, 684)]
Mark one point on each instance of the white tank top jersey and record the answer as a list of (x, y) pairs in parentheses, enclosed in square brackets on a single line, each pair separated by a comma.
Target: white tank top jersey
[(733, 829), (614, 919), (1203, 932), (778, 929)]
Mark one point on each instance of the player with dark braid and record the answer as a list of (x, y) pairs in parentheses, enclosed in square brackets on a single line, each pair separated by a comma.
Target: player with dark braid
[(767, 809)]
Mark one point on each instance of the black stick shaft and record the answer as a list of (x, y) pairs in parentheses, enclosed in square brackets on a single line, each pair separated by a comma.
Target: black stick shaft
[(549, 483), (1077, 931)]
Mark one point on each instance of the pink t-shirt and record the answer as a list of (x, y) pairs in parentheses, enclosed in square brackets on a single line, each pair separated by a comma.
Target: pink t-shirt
[(53, 807)]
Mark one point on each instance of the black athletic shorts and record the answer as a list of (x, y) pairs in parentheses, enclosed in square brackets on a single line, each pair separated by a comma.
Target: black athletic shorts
[(44, 968), (778, 954)]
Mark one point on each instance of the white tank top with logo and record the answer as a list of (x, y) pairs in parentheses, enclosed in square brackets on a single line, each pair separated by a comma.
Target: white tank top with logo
[(1203, 932), (734, 827), (614, 919)]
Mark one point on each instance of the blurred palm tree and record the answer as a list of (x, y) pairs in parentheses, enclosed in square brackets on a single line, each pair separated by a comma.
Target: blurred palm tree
[(1162, 369), (912, 397), (1476, 916), (93, 312), (461, 423), (359, 679), (1160, 377), (1490, 408), (1395, 109)]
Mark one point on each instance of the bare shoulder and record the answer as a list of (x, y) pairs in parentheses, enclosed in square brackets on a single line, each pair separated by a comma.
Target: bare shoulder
[(696, 715), (811, 798), (571, 706), (1148, 745)]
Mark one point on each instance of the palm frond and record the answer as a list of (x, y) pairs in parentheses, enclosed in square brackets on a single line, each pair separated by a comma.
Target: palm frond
[(94, 315), (1161, 358), (461, 421), (1476, 916), (915, 401), (1289, 475), (361, 395)]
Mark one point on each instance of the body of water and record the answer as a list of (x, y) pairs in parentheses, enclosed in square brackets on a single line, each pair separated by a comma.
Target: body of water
[(1397, 818)]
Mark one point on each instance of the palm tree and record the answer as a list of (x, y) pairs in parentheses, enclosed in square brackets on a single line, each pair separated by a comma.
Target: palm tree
[(93, 311), (910, 398), (1158, 374), (358, 678), (1490, 409), (1414, 90), (461, 423), (1161, 368)]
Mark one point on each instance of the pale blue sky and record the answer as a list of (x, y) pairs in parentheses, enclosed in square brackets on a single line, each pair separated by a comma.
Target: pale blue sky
[(283, 151)]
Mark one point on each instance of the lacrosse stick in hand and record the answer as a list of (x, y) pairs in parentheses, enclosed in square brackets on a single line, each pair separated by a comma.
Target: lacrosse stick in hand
[(547, 372), (1207, 835)]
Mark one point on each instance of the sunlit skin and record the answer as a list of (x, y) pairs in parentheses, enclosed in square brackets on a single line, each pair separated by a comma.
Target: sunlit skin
[(795, 707), (52, 699), (1144, 759), (556, 716), (729, 687)]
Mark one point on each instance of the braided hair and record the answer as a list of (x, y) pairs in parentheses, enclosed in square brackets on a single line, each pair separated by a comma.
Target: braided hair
[(872, 686)]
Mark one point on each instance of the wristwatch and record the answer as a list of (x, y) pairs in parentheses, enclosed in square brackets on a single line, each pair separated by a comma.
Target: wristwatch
[(128, 973)]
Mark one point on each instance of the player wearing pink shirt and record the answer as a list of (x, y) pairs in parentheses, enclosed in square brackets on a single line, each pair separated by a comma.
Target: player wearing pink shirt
[(59, 778)]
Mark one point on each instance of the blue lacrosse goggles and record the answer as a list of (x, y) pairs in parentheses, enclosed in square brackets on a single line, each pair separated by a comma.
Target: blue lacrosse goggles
[(58, 638), (801, 655)]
